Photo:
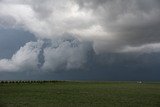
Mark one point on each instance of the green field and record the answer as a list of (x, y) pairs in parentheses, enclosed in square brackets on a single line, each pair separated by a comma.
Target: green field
[(80, 94)]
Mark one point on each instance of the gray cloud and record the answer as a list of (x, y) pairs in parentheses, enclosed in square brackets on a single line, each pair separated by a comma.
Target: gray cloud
[(148, 48), (107, 26), (24, 59), (66, 53), (114, 22), (129, 22), (59, 53)]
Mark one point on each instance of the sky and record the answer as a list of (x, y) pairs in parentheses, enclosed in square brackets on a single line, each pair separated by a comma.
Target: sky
[(80, 40)]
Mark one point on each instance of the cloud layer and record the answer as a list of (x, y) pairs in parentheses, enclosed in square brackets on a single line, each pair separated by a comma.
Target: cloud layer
[(67, 30), (48, 55)]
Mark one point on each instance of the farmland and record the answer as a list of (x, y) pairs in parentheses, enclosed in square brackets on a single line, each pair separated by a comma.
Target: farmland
[(79, 94)]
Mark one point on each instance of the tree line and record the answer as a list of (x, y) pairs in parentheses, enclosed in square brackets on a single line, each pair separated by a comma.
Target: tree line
[(29, 81)]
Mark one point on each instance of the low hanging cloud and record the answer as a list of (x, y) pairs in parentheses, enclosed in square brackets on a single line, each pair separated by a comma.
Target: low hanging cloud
[(24, 59), (48, 55), (66, 53), (67, 30), (148, 48)]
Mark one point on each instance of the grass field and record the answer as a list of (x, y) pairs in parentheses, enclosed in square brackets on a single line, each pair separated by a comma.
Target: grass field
[(80, 94)]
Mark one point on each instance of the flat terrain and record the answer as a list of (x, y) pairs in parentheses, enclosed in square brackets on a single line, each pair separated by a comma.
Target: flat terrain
[(80, 94)]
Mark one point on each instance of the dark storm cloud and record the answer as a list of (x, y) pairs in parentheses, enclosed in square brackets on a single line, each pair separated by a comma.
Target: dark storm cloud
[(133, 22), (110, 24), (115, 67), (103, 37)]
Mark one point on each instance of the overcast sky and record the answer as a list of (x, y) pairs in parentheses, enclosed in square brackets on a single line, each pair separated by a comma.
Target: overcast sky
[(80, 39)]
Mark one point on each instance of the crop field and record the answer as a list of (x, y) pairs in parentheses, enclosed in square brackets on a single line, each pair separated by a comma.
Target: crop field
[(79, 94)]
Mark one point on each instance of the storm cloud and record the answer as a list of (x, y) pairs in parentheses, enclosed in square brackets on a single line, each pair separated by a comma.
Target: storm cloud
[(71, 34), (111, 24)]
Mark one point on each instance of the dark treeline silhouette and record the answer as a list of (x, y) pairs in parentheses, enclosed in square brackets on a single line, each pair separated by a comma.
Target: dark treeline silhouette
[(30, 81)]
